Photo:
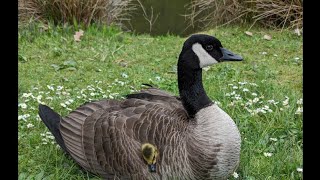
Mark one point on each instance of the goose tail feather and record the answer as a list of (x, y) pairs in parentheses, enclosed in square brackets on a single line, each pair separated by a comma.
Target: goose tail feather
[(52, 120)]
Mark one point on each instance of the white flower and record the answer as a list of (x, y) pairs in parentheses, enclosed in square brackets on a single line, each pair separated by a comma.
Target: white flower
[(217, 102), (59, 88), (50, 137), (285, 102), (38, 117), (261, 110), (39, 97), (92, 94), (90, 88), (253, 84), (242, 83), (245, 90), (65, 93), (63, 105), (23, 117), (49, 98), (281, 109), (254, 94), (299, 169), (26, 95), (275, 55), (235, 87), (300, 101), (266, 154), (50, 87), (30, 125), (255, 100), (124, 75), (274, 139), (121, 83), (228, 94), (299, 110), (235, 175), (263, 53), (158, 78), (272, 102), (22, 105), (296, 58), (249, 110), (249, 103)]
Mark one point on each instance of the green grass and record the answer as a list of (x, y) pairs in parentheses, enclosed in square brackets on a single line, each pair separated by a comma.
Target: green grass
[(97, 67)]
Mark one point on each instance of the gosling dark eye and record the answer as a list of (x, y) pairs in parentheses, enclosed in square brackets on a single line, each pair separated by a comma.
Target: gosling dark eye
[(209, 47)]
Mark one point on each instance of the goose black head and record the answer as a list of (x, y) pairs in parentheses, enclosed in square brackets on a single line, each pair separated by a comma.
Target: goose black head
[(208, 50)]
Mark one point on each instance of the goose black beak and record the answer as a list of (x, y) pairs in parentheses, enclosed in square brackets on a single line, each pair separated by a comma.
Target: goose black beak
[(229, 56)]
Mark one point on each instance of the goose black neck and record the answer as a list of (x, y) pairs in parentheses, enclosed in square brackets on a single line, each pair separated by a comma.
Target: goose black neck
[(191, 90)]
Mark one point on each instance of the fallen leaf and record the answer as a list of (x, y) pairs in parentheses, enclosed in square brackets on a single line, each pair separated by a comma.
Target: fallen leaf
[(70, 63), (71, 69), (297, 31), (267, 37), (22, 58), (40, 175), (248, 33), (78, 35), (76, 38), (56, 67)]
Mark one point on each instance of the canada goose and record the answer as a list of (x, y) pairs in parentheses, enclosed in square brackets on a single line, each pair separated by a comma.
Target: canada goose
[(193, 138)]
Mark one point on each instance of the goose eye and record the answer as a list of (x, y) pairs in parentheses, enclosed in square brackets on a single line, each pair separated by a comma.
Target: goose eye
[(209, 47)]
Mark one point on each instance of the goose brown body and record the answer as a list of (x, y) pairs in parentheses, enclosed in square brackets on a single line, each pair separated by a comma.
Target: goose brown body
[(105, 137), (194, 138)]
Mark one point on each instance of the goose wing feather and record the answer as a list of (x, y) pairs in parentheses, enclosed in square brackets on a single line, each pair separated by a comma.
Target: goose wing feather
[(105, 136)]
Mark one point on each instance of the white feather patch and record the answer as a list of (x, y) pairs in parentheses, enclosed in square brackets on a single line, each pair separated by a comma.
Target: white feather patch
[(204, 57)]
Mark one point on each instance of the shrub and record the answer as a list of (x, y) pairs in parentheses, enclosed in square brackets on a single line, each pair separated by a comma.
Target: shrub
[(71, 11), (271, 13)]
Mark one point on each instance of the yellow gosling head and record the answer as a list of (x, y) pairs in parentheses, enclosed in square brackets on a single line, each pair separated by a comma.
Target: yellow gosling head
[(150, 154)]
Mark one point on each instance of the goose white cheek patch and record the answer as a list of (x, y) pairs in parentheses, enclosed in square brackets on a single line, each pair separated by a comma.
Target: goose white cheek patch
[(204, 57)]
